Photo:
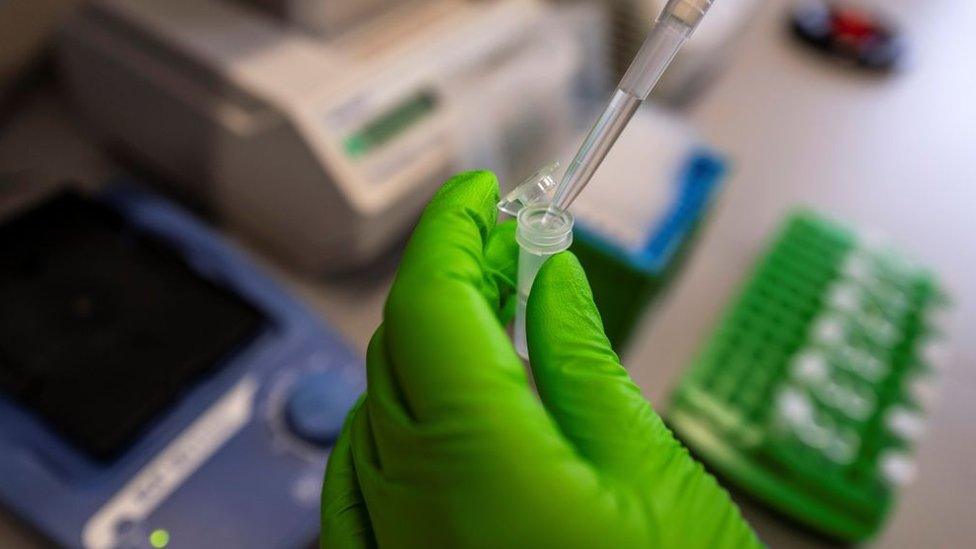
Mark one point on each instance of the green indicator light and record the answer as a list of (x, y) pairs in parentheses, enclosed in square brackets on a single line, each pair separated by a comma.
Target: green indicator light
[(355, 146), (159, 538)]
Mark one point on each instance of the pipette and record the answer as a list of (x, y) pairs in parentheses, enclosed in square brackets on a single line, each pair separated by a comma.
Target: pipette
[(545, 226), (673, 26)]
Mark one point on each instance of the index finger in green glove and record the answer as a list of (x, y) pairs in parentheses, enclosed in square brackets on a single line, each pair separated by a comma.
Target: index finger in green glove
[(444, 306)]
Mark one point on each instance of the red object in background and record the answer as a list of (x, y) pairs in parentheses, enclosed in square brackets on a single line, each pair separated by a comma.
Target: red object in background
[(853, 23), (848, 34)]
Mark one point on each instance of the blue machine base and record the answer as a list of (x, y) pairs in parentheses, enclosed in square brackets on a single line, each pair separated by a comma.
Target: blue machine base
[(236, 462)]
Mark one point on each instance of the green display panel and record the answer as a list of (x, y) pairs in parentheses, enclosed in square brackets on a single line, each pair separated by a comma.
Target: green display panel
[(390, 124)]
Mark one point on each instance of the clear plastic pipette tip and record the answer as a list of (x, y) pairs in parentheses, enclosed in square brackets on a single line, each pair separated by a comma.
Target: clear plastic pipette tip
[(675, 24)]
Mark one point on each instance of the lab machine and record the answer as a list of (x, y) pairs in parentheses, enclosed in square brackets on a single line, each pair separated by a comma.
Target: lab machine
[(814, 389), (155, 387), (323, 146)]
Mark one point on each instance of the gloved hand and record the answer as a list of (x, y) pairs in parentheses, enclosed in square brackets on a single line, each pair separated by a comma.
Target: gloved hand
[(450, 446)]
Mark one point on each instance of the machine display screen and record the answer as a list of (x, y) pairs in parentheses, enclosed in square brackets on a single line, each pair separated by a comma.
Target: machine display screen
[(103, 327), (389, 124)]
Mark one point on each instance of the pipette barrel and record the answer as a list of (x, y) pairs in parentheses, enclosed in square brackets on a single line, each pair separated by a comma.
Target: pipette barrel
[(675, 24), (595, 147)]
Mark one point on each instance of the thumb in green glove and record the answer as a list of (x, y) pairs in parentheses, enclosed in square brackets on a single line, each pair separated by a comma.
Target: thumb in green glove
[(451, 447)]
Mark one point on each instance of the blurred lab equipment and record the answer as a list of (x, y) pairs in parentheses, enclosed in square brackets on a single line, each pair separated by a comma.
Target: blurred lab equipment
[(324, 17), (155, 386), (814, 388), (633, 230), (847, 34), (641, 217), (324, 148), (26, 28), (701, 57)]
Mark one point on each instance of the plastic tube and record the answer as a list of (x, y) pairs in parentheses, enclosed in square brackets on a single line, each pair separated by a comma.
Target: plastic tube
[(537, 241)]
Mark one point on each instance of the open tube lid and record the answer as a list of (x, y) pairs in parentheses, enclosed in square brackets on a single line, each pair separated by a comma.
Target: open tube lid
[(539, 188)]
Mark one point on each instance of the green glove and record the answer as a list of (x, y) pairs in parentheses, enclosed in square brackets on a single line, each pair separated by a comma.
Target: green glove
[(452, 448)]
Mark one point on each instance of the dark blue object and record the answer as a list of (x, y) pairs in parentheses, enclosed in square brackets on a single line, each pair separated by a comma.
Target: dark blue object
[(316, 408), (220, 465)]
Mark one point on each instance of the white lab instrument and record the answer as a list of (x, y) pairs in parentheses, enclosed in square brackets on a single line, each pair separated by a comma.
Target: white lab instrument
[(324, 147)]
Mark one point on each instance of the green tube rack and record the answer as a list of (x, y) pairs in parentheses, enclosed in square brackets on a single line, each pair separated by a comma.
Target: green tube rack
[(813, 389)]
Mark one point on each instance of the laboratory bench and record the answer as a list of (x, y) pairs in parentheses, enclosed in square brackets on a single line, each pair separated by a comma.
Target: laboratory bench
[(891, 153)]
